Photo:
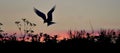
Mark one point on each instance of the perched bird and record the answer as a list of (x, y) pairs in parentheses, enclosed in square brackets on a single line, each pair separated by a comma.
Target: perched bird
[(47, 19)]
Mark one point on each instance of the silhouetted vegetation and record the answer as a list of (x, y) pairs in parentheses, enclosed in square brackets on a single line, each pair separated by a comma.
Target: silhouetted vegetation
[(76, 39)]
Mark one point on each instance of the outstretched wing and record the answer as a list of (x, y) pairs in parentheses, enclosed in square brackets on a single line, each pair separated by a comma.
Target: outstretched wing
[(49, 14), (40, 14)]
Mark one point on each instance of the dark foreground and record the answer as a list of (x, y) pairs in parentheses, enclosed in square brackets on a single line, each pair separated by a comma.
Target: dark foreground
[(77, 39), (83, 43)]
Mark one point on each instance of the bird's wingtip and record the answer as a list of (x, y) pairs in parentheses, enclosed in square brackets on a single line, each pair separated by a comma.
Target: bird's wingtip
[(54, 6), (34, 8)]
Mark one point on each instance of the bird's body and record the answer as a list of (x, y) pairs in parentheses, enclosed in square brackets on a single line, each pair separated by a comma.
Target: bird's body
[(49, 18)]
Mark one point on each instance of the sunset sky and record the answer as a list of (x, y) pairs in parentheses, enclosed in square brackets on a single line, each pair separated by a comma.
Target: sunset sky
[(69, 14)]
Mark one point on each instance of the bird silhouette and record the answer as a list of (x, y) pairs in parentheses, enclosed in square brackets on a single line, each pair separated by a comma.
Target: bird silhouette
[(49, 17)]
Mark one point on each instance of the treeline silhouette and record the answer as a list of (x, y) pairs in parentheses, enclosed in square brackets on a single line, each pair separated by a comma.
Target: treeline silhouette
[(77, 39)]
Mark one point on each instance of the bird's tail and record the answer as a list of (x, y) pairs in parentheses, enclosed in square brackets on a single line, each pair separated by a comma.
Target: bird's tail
[(50, 23)]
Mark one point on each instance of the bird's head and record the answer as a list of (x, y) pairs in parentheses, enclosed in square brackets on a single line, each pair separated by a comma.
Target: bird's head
[(50, 23)]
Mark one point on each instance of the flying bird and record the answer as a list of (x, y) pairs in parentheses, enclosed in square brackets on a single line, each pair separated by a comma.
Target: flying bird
[(47, 19)]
